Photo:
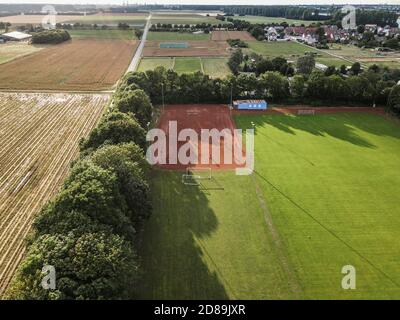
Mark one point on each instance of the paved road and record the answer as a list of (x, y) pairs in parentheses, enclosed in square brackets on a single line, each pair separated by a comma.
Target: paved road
[(136, 58)]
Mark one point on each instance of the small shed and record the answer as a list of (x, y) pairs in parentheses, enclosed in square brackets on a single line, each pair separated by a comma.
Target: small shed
[(16, 36), (250, 104)]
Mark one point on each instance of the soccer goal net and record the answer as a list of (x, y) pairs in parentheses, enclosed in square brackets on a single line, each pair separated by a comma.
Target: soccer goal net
[(306, 112), (193, 176)]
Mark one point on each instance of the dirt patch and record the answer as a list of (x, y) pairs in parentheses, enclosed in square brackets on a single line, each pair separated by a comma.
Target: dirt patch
[(226, 35), (74, 65), (198, 117), (194, 49)]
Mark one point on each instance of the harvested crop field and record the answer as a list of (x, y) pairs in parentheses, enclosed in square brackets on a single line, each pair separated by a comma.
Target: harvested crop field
[(36, 18), (39, 136), (195, 49), (226, 35), (87, 65)]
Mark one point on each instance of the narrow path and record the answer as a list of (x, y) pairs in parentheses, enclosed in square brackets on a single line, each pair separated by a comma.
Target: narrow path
[(283, 259), (138, 54)]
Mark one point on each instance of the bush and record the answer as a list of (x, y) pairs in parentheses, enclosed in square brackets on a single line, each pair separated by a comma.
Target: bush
[(51, 36)]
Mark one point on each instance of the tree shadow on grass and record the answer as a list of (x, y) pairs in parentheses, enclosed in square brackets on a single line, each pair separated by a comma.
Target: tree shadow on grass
[(344, 126), (171, 251)]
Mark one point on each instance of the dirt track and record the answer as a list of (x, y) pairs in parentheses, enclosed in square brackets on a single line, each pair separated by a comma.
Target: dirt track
[(39, 136)]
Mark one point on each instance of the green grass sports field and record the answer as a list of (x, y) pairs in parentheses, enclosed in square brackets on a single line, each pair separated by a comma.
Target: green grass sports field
[(324, 194), (214, 67)]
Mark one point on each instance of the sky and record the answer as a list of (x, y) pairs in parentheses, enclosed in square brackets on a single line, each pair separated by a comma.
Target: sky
[(215, 2)]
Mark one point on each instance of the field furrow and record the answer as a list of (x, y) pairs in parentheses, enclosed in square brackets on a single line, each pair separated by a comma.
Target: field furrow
[(38, 140)]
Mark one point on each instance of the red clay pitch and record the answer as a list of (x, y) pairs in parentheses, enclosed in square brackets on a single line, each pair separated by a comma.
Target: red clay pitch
[(198, 117)]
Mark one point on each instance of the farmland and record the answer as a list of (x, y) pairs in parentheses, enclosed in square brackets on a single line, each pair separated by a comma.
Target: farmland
[(39, 139), (178, 36), (226, 35), (190, 18), (214, 67), (293, 50), (103, 34), (270, 20), (100, 19), (195, 49), (322, 186), (74, 65), (11, 51), (366, 57)]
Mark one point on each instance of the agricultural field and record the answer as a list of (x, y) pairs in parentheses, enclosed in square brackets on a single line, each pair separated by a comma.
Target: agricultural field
[(226, 35), (194, 49), (181, 18), (323, 195), (276, 20), (10, 51), (178, 36), (75, 65), (103, 34), (214, 67), (39, 136), (366, 57), (100, 19)]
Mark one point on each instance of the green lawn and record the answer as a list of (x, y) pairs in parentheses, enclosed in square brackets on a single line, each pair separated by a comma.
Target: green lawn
[(267, 20), (103, 34), (152, 63), (178, 36), (328, 186), (187, 65), (214, 67)]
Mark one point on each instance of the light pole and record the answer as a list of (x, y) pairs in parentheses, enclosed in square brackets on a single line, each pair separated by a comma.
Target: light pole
[(162, 96)]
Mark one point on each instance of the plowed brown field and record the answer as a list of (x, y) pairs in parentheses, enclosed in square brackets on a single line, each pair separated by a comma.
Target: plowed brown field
[(39, 136), (226, 35), (74, 65)]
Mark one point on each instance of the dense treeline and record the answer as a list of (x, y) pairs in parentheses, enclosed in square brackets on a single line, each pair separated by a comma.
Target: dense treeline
[(51, 36), (380, 17), (290, 12), (89, 231), (334, 86)]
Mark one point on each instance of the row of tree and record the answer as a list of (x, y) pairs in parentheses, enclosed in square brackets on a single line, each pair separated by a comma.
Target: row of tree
[(51, 36), (89, 231), (290, 12), (308, 86)]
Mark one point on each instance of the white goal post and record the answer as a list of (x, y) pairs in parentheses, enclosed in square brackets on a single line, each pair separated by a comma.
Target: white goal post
[(193, 176)]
